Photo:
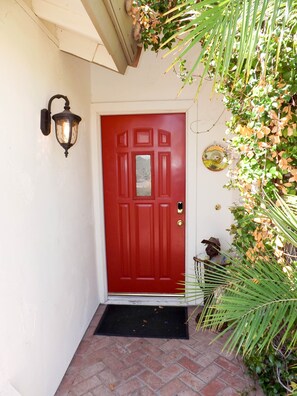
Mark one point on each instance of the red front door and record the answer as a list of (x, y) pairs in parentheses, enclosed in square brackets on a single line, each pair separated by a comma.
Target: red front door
[(144, 202)]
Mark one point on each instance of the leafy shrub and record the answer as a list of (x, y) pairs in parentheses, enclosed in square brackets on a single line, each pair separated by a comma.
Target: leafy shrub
[(273, 367)]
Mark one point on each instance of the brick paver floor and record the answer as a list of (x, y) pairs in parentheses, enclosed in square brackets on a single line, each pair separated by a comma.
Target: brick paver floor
[(115, 366)]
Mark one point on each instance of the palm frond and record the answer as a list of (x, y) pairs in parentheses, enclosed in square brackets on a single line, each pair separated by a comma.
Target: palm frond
[(222, 26), (283, 213), (256, 299), (259, 302)]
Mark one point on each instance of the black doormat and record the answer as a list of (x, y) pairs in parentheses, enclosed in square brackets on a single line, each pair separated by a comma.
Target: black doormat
[(144, 321)]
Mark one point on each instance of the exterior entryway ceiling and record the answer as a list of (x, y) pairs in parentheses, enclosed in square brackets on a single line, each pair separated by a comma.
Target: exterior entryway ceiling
[(97, 32)]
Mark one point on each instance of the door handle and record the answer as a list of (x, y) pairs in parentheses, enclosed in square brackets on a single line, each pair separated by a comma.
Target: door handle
[(180, 223), (180, 207)]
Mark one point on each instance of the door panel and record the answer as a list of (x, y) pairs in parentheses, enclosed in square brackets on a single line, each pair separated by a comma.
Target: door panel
[(144, 178)]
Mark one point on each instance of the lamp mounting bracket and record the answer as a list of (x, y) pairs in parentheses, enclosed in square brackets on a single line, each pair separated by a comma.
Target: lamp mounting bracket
[(45, 119)]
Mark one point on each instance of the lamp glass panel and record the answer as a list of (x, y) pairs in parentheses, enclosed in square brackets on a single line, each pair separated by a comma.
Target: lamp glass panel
[(63, 130), (74, 131)]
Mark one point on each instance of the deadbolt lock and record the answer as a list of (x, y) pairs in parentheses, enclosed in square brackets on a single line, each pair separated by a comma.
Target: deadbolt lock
[(180, 207), (180, 223)]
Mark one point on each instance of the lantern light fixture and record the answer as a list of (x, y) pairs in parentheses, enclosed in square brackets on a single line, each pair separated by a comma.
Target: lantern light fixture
[(66, 124)]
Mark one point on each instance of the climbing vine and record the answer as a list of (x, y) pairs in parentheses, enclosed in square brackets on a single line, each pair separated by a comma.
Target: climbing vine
[(264, 137), (259, 85), (152, 29), (262, 132)]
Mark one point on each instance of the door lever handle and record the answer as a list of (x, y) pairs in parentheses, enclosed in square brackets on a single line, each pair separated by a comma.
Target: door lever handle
[(180, 207)]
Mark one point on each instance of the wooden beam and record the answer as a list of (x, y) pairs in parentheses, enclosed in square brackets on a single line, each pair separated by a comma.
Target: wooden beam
[(114, 27), (123, 25)]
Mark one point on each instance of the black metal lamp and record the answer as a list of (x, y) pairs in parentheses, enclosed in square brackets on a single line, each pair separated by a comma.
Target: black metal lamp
[(66, 124)]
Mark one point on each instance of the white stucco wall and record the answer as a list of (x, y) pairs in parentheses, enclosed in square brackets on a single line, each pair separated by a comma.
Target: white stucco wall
[(148, 89), (48, 278)]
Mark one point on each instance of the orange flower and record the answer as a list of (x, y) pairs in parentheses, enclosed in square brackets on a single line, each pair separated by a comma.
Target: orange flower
[(265, 130), (273, 115), (261, 109), (283, 163), (290, 131), (263, 144), (294, 175), (274, 139), (245, 131), (260, 134)]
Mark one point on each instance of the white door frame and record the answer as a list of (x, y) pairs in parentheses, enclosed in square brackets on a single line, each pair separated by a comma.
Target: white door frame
[(148, 107)]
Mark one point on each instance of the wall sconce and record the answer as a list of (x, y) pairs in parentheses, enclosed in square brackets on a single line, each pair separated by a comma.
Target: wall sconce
[(66, 124)]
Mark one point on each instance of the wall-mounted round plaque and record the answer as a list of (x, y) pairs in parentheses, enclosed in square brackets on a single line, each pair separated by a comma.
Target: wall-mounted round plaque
[(215, 158)]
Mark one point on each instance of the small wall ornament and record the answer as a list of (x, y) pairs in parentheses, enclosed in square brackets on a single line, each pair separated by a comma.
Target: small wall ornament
[(215, 158)]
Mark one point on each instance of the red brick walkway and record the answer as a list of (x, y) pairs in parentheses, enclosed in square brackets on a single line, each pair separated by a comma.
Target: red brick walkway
[(118, 366)]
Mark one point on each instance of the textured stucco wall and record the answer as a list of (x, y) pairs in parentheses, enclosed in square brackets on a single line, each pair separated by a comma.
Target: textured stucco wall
[(48, 277)]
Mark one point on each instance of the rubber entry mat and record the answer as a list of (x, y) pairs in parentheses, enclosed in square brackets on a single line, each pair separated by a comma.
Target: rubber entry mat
[(144, 321)]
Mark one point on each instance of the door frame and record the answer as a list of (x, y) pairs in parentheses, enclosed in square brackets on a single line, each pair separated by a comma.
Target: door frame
[(148, 107)]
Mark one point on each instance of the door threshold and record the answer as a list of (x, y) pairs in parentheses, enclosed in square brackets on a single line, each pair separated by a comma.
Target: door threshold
[(148, 295), (140, 299)]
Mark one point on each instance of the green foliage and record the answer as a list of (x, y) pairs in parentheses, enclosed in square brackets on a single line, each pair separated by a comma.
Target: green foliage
[(155, 29), (284, 216), (256, 298), (257, 301), (243, 228), (264, 123), (229, 32), (271, 368), (263, 128), (249, 48)]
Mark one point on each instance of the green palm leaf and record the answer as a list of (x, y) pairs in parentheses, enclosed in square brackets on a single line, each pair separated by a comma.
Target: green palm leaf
[(259, 302), (221, 26), (283, 213)]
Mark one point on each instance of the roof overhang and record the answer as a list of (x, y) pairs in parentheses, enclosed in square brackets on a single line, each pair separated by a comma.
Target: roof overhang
[(99, 31)]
